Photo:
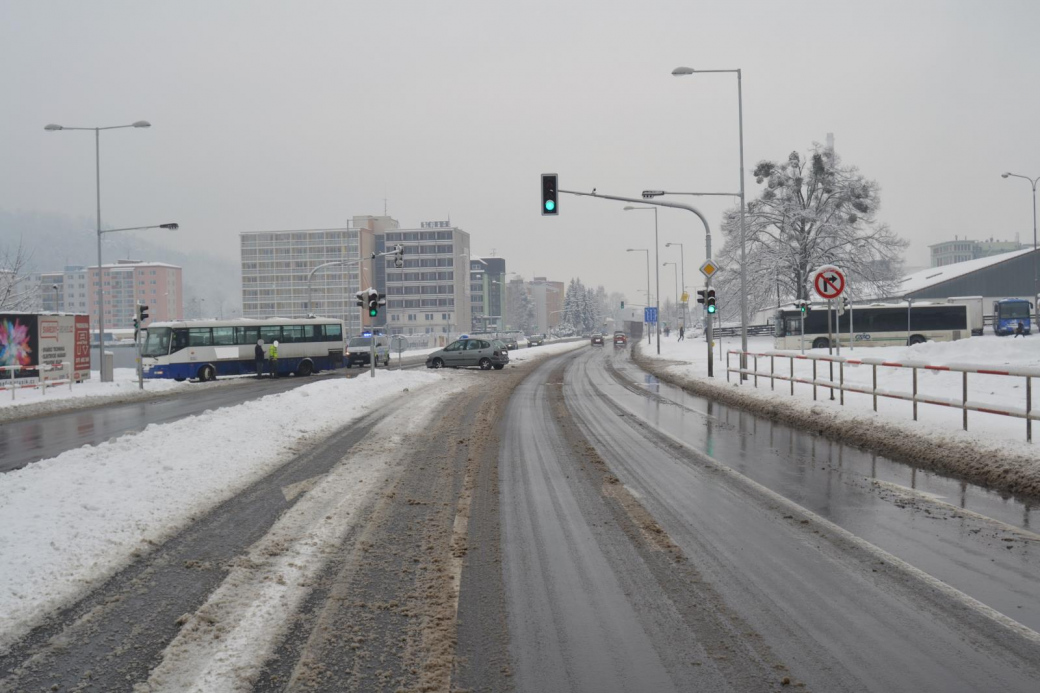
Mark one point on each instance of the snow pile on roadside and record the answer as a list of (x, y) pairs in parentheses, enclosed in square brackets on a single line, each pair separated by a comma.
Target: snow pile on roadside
[(993, 452), (550, 349), (124, 388), (71, 521)]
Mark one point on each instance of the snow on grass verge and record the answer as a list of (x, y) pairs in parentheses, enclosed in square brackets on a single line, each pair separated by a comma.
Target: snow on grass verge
[(70, 522), (992, 453)]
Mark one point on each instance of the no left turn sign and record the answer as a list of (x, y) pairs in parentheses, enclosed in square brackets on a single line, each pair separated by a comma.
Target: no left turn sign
[(829, 282)]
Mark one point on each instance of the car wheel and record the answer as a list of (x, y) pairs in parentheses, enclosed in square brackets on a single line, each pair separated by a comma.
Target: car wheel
[(304, 369), (917, 339), (820, 343), (207, 373), (485, 364), (438, 363)]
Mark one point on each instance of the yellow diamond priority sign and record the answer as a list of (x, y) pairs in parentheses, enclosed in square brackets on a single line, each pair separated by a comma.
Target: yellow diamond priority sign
[(709, 269)]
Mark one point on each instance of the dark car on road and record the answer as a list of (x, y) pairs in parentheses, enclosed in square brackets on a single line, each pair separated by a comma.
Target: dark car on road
[(536, 340), (597, 340), (511, 343), (483, 353), (620, 339)]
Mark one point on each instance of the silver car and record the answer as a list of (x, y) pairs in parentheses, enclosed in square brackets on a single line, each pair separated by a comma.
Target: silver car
[(486, 354)]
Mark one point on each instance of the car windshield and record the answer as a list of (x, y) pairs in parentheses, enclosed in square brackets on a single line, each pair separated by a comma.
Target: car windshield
[(360, 342), (157, 341)]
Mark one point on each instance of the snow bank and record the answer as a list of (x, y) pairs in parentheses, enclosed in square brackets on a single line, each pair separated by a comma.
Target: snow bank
[(69, 522), (33, 402), (992, 453)]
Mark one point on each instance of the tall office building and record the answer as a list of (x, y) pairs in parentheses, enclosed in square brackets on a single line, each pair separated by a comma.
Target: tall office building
[(281, 275), (430, 294), (487, 293)]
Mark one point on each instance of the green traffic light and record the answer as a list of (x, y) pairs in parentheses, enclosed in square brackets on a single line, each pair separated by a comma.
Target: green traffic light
[(372, 312), (550, 205), (711, 309)]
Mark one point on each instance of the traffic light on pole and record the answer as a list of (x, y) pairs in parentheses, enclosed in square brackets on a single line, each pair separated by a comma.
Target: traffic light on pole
[(142, 314), (399, 256), (373, 303), (361, 297), (550, 203), (701, 293), (709, 301), (622, 305)]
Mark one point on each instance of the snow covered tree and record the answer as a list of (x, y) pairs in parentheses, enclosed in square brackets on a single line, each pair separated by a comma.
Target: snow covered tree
[(813, 211), (17, 290)]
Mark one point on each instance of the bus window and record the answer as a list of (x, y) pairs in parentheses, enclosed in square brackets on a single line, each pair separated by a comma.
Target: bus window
[(157, 343), (223, 336), (270, 333), (247, 335), (333, 333), (292, 333), (794, 326), (312, 333), (200, 336), (180, 340)]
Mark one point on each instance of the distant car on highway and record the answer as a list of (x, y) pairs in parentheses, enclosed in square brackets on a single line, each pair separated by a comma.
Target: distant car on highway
[(483, 353), (511, 343), (620, 339), (597, 340), (536, 340)]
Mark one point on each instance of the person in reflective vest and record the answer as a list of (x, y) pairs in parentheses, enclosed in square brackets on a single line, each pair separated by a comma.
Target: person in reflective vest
[(272, 357)]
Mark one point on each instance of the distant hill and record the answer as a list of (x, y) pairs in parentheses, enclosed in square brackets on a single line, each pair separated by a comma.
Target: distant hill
[(57, 240)]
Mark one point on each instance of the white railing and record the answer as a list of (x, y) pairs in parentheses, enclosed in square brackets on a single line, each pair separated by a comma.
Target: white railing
[(914, 396), (43, 382)]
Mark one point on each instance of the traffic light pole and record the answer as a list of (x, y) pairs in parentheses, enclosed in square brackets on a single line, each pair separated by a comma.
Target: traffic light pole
[(707, 249)]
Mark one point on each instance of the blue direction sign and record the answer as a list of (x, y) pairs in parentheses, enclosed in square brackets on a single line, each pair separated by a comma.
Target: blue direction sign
[(650, 314)]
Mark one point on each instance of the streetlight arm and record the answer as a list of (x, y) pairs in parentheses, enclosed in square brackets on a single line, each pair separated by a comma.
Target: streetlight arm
[(662, 203), (171, 227)]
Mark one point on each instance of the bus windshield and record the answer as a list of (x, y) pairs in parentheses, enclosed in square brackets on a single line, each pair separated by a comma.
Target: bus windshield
[(157, 342), (1014, 311)]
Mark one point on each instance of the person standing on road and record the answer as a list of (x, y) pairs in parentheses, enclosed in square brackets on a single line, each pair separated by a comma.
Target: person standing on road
[(682, 332), (258, 354), (272, 358), (1020, 330)]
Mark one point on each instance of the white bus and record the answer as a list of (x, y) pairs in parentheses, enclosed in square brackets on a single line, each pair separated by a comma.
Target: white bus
[(205, 349), (874, 325)]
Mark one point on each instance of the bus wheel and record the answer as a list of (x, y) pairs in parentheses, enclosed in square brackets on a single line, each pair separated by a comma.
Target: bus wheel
[(820, 343), (180, 380), (207, 373), (917, 339), (304, 369)]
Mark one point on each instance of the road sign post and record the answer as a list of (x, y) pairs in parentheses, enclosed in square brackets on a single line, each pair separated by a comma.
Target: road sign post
[(709, 269)]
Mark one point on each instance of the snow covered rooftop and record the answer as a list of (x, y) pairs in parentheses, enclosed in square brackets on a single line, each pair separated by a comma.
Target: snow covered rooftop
[(937, 275)]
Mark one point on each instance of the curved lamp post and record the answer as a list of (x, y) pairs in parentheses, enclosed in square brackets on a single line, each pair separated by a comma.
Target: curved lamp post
[(657, 273), (649, 339), (1036, 270)]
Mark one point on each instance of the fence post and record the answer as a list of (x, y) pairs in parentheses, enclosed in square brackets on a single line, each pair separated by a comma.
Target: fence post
[(792, 375), (43, 379), (727, 366), (756, 369), (814, 379), (772, 371), (841, 382), (12, 384), (964, 399), (915, 394), (1029, 409), (874, 368)]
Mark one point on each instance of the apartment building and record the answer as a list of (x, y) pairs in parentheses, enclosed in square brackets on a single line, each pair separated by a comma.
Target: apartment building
[(430, 294), (547, 297), (964, 249), (487, 293), (125, 284), (283, 273)]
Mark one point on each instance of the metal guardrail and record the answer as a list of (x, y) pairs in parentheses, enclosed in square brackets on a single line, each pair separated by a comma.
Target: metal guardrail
[(962, 403), (43, 381)]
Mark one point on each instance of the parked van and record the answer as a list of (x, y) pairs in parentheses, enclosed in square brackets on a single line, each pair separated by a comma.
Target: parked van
[(359, 349)]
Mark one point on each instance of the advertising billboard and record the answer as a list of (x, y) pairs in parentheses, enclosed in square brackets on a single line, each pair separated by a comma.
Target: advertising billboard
[(28, 340)]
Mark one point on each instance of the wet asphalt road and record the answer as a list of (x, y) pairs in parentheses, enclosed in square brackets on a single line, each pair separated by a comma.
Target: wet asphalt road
[(761, 585)]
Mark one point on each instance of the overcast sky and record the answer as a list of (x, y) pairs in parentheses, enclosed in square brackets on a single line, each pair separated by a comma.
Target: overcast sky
[(278, 115)]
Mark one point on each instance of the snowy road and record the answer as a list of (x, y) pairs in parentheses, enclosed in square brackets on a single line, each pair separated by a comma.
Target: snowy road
[(568, 523)]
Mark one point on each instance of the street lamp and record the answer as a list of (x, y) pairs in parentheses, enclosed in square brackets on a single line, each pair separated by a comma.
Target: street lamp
[(649, 339), (1036, 270), (675, 271), (682, 265), (678, 72), (657, 273), (97, 168)]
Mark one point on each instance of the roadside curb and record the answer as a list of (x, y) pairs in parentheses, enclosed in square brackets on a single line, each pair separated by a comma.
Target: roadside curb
[(986, 466)]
